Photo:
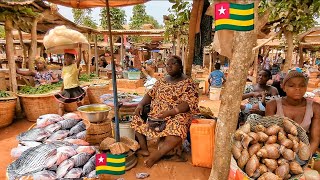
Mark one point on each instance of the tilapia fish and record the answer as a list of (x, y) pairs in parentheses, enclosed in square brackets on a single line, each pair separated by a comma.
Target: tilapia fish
[(71, 137), (79, 142), (74, 173), (30, 143), (35, 134), (59, 135), (80, 159), (64, 167), (81, 135), (68, 123), (16, 152), (45, 174), (53, 127), (31, 161), (78, 128), (48, 119), (64, 153), (71, 116), (86, 149), (92, 174), (89, 166)]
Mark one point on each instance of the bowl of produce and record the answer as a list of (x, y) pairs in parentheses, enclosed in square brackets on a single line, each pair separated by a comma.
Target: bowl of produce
[(94, 112)]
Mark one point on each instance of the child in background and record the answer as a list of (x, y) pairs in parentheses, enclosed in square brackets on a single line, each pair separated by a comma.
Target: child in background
[(70, 90), (216, 77)]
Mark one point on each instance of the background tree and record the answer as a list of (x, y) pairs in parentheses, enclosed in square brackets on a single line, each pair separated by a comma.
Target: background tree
[(83, 17), (2, 32), (117, 17)]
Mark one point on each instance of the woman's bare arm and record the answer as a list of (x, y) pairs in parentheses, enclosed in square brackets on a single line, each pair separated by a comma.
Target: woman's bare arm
[(26, 73), (271, 108), (315, 128)]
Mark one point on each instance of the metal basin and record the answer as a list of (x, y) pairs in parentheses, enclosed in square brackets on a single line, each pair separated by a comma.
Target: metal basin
[(94, 112)]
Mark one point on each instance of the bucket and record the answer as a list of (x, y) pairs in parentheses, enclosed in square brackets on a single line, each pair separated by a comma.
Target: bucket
[(202, 133), (214, 93), (125, 130)]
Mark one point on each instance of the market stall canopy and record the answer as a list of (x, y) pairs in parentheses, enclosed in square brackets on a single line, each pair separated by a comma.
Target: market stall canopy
[(82, 4), (310, 37)]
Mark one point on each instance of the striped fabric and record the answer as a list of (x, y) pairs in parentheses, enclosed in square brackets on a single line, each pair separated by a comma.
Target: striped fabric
[(110, 164)]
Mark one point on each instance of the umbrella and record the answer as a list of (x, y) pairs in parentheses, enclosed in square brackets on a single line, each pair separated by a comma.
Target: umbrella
[(101, 3)]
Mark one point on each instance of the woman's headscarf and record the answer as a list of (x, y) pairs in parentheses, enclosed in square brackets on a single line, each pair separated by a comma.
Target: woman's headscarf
[(41, 59)]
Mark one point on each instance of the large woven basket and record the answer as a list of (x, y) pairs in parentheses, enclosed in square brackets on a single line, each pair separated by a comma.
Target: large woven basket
[(95, 91), (37, 105), (7, 109), (271, 120)]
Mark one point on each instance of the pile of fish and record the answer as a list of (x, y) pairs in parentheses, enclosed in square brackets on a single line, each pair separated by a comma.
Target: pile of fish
[(54, 149)]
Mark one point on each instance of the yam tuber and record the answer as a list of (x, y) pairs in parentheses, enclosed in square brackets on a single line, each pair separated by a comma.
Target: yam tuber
[(259, 128), (281, 136), (272, 139), (287, 143), (295, 168), (295, 146), (268, 176), (252, 165), (246, 141), (269, 151), (238, 135), (283, 131), (304, 151), (283, 171), (245, 128), (263, 137), (253, 149), (289, 127), (254, 136), (262, 168), (271, 164), (236, 149), (288, 154), (256, 174), (243, 159), (293, 138), (273, 130), (282, 161)]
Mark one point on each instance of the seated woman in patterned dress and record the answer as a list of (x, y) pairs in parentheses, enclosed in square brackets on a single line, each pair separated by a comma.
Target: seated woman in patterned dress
[(42, 75), (174, 99)]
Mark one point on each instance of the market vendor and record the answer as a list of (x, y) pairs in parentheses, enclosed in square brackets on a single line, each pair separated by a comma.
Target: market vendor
[(174, 99), (41, 75), (294, 106)]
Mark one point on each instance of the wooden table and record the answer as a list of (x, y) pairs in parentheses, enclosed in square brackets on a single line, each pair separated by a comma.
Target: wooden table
[(129, 84)]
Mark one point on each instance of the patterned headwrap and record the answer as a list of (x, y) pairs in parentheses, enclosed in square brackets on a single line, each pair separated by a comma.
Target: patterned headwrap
[(41, 59), (293, 74)]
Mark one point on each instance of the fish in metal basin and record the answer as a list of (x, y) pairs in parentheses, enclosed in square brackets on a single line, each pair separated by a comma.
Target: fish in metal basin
[(78, 128), (30, 143), (48, 119), (45, 174), (89, 166), (64, 153), (81, 135), (31, 161), (68, 123), (86, 149), (74, 173), (35, 134), (53, 127), (80, 159), (59, 135), (64, 167)]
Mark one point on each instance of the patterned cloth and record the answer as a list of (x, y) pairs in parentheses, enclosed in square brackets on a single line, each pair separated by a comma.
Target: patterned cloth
[(256, 100), (216, 78), (48, 76), (166, 96)]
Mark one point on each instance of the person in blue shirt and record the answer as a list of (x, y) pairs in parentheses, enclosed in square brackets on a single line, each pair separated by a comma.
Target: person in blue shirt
[(216, 77)]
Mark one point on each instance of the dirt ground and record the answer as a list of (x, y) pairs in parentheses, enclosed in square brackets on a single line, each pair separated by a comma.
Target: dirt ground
[(162, 170)]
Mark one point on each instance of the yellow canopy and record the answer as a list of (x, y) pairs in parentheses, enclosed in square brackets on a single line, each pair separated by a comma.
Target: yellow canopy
[(82, 4)]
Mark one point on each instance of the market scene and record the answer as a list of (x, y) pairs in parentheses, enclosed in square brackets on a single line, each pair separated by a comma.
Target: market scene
[(150, 89)]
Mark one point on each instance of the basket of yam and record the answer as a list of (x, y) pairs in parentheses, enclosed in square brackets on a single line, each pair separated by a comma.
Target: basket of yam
[(272, 147)]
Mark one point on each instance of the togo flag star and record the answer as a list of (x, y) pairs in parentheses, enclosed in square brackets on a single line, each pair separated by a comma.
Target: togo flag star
[(101, 159), (221, 10)]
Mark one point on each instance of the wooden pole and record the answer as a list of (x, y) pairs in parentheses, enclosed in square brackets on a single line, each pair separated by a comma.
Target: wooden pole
[(96, 58), (178, 48), (289, 39), (10, 57), (301, 59), (89, 54), (24, 50), (33, 44), (121, 49)]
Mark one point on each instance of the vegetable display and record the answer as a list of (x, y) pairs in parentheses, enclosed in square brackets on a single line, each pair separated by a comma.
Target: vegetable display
[(42, 89), (4, 94)]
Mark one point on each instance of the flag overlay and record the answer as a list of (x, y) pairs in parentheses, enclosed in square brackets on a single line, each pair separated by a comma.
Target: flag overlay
[(110, 164), (238, 17)]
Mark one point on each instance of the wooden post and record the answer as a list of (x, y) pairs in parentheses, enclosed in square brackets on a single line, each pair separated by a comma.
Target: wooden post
[(96, 58), (301, 59), (289, 39), (89, 54), (24, 50), (11, 61), (178, 48), (121, 49), (33, 44)]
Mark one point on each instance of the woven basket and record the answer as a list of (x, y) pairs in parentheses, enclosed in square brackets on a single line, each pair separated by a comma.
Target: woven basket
[(37, 105), (271, 120), (100, 128), (97, 138), (94, 93), (7, 109)]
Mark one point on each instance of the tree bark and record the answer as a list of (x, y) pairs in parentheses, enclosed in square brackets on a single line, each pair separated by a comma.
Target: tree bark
[(33, 44), (192, 35), (12, 64), (301, 59), (178, 48), (24, 49), (289, 39)]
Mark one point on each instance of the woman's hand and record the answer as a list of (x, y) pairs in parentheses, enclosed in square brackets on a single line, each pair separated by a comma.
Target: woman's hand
[(257, 111), (256, 94), (138, 110), (164, 114)]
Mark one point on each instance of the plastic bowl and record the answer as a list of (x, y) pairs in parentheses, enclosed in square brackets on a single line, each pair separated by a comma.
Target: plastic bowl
[(94, 112)]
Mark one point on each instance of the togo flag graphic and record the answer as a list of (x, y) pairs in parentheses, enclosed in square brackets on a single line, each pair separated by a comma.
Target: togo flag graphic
[(230, 16), (110, 164)]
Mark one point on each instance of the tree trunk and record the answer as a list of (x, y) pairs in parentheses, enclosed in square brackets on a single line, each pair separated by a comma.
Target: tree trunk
[(33, 44), (178, 48), (192, 35), (24, 49), (12, 64), (301, 60), (289, 39)]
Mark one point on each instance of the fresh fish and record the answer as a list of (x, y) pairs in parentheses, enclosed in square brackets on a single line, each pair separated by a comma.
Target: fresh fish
[(35, 134), (89, 166), (30, 143), (48, 119), (45, 174), (79, 142), (71, 137), (68, 123), (60, 143), (71, 116), (80, 159), (78, 128), (86, 149), (16, 152), (59, 135), (81, 135), (92, 174), (64, 153), (31, 161), (74, 173), (53, 127), (53, 168), (51, 161), (64, 167)]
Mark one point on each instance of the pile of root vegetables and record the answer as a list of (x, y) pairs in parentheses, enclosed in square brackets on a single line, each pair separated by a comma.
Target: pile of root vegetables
[(272, 152)]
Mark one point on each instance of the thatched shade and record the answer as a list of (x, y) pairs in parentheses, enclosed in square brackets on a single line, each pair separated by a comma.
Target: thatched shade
[(82, 4)]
